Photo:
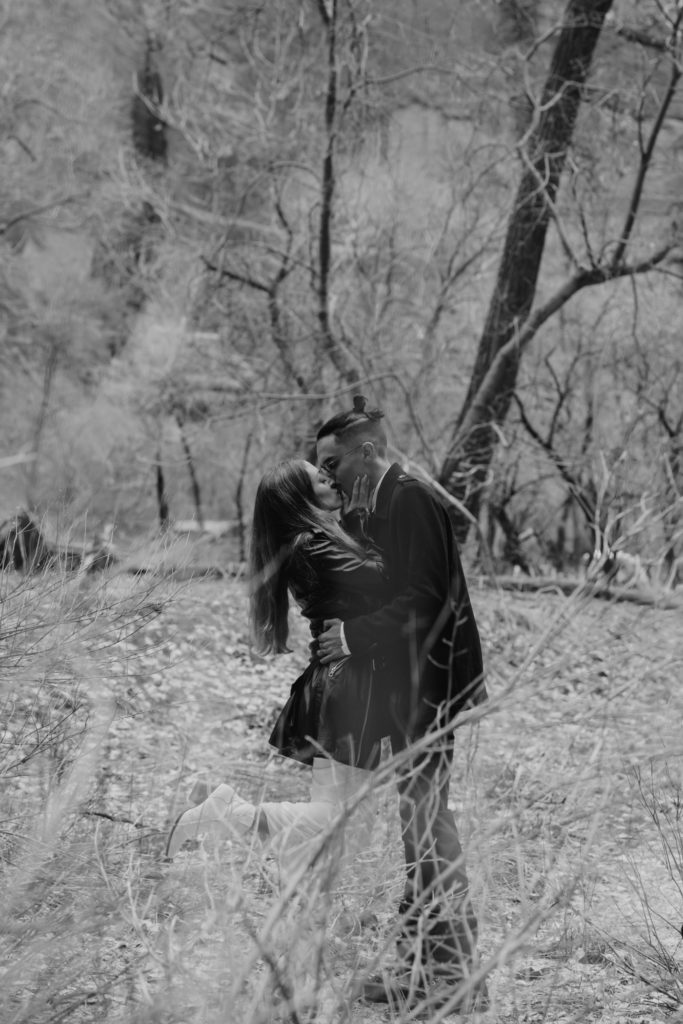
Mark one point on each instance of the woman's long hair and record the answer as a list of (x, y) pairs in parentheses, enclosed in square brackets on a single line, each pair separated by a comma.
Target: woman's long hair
[(285, 511)]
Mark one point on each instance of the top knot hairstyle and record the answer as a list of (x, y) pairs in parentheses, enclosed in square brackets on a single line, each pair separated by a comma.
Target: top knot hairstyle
[(359, 423)]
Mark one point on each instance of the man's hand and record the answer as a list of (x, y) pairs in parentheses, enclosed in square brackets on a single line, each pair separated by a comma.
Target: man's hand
[(329, 642), (360, 495)]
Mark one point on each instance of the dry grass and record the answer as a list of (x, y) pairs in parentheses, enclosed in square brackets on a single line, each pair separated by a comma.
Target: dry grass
[(116, 696)]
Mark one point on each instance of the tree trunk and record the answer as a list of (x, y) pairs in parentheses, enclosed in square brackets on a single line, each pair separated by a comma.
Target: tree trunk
[(162, 499), (48, 378), (329, 342), (194, 480), (465, 470), (239, 501)]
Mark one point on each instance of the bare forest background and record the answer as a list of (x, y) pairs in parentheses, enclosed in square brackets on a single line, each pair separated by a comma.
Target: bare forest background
[(217, 220)]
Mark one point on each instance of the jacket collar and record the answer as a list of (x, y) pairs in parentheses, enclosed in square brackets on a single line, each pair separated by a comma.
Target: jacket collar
[(386, 489)]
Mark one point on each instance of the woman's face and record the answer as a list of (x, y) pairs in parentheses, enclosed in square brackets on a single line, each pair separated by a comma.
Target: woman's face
[(327, 496)]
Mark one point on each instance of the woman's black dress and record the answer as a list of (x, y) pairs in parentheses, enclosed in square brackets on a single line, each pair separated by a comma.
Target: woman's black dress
[(331, 709)]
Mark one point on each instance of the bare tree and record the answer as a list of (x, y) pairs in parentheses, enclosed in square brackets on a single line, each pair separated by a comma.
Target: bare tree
[(329, 200), (512, 322)]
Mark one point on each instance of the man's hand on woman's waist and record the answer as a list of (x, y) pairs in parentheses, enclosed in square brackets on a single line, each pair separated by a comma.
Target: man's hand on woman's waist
[(331, 642)]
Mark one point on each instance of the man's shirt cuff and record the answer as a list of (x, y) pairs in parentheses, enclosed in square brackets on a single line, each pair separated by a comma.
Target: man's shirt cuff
[(344, 645)]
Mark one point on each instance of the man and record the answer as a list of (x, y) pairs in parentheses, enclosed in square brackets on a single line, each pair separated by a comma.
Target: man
[(428, 666)]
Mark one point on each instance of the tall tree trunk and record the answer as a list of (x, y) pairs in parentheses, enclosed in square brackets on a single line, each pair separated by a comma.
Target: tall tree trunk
[(465, 470), (329, 342), (239, 501), (48, 378), (162, 498), (194, 480)]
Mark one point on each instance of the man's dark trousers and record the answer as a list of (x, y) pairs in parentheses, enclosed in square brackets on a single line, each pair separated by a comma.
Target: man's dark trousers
[(439, 927)]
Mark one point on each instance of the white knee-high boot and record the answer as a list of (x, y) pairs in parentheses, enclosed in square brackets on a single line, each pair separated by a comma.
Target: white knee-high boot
[(223, 814)]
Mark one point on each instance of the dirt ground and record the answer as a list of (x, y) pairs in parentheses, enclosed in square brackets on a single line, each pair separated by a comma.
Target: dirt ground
[(567, 792), (578, 889)]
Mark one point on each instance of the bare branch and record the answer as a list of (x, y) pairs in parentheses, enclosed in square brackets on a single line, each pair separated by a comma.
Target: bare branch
[(22, 145), (326, 15), (17, 460), (645, 160), (52, 205), (584, 502), (233, 275), (279, 335), (562, 393), (419, 69), (213, 220), (585, 278), (636, 35)]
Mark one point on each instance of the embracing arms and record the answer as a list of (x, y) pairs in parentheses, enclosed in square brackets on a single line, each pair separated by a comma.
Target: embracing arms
[(420, 560)]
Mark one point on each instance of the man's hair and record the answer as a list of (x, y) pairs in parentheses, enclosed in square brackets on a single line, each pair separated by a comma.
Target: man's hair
[(358, 424)]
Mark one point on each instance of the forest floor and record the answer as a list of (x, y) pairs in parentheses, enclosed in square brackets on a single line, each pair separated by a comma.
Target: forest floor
[(568, 792)]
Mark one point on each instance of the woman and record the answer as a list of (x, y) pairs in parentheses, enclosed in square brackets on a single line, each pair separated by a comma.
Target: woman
[(298, 547)]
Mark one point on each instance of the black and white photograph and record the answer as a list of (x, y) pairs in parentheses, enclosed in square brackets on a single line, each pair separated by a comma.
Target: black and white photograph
[(341, 511)]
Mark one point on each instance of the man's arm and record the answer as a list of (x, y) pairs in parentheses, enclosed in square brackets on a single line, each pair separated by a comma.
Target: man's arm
[(418, 563)]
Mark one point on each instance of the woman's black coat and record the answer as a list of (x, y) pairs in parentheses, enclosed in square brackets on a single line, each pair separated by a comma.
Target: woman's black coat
[(332, 708)]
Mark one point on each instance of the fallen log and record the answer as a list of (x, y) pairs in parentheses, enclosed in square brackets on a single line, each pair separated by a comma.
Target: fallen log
[(24, 548), (214, 528), (22, 545), (198, 573), (568, 585)]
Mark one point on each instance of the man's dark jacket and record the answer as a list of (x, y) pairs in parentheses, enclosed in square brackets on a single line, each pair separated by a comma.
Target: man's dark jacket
[(424, 641)]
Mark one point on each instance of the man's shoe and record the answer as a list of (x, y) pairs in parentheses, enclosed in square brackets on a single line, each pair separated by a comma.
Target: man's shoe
[(405, 990), (396, 989), (460, 996)]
